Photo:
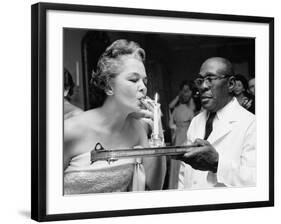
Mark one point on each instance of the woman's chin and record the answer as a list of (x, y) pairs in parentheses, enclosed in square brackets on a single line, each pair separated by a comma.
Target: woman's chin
[(237, 93)]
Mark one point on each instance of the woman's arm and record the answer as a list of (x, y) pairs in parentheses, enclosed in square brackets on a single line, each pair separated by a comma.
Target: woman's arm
[(173, 103), (172, 124)]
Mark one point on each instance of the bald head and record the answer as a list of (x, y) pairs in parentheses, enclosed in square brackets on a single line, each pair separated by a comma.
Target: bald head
[(218, 65)]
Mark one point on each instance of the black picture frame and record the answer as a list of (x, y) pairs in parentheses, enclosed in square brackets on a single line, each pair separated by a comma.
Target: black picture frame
[(39, 110)]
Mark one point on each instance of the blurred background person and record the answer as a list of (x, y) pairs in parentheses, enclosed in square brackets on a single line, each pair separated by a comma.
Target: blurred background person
[(242, 95), (69, 109), (252, 86), (183, 109)]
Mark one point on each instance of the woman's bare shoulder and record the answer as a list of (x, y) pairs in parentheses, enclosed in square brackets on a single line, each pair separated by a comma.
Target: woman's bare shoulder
[(76, 135), (75, 126)]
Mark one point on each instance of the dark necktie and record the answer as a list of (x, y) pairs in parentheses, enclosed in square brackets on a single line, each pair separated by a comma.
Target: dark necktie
[(209, 125)]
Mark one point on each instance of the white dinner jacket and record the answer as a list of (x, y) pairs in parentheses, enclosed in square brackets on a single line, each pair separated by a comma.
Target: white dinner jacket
[(234, 138)]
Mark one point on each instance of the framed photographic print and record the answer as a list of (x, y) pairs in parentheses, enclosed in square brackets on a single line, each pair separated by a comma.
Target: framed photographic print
[(138, 111)]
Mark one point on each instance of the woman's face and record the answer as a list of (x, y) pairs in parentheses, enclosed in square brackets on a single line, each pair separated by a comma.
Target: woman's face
[(239, 88), (129, 86), (185, 94)]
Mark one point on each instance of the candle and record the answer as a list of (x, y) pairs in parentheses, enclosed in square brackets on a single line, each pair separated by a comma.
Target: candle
[(155, 116), (77, 73)]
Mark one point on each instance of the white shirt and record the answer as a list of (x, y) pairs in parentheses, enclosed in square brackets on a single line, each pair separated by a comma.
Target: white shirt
[(234, 138)]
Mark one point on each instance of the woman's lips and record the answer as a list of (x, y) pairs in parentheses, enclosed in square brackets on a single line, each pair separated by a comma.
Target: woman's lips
[(146, 102), (141, 103)]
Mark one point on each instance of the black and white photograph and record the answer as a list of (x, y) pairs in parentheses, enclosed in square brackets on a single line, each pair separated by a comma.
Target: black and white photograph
[(142, 112), (157, 111)]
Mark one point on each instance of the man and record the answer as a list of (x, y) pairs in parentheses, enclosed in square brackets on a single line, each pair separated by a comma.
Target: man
[(252, 86), (224, 132)]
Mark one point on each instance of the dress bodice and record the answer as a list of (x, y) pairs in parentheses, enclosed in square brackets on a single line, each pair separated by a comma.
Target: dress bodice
[(82, 177)]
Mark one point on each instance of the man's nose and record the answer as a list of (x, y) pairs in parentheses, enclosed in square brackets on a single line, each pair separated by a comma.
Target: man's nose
[(204, 86)]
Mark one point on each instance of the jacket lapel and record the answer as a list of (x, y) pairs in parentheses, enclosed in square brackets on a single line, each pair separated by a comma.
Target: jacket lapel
[(220, 132), (227, 119)]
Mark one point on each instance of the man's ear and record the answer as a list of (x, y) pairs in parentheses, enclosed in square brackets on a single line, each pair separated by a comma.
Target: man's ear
[(231, 84)]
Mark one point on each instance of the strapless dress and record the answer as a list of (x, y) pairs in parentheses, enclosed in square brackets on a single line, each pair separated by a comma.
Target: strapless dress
[(82, 177)]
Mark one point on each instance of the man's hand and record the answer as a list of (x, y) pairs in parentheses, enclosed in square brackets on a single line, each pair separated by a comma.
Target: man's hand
[(204, 157)]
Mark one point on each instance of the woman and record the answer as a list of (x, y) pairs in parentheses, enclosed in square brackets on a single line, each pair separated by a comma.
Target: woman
[(180, 119), (119, 87), (69, 109), (183, 109), (242, 95)]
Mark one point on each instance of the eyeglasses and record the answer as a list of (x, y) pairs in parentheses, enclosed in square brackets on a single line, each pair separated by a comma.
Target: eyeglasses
[(208, 79)]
